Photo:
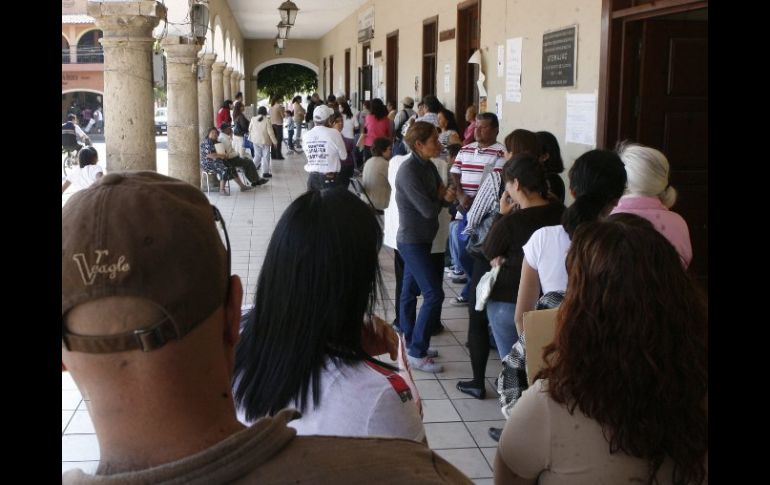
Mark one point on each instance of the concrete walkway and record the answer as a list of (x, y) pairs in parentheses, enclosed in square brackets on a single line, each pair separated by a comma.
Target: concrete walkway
[(456, 424)]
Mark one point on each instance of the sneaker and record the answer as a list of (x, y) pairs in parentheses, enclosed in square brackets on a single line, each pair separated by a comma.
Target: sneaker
[(458, 273), (449, 270), (261, 181), (425, 364), (431, 353), (460, 301), (267, 175), (460, 281), (437, 330)]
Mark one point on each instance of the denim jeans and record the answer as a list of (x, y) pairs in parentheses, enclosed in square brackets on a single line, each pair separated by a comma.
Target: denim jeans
[(460, 257), (318, 181), (501, 318), (420, 276)]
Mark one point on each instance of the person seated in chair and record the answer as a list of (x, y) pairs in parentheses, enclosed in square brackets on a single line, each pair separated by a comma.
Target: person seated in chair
[(375, 177), (232, 158), (211, 161)]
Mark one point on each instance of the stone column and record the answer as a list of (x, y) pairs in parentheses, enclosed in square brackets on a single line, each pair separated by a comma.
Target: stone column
[(226, 82), (129, 125), (234, 77), (217, 83), (205, 107), (182, 82)]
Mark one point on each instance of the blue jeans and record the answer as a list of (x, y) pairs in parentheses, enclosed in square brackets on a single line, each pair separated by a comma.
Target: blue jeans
[(501, 316), (460, 257), (420, 276)]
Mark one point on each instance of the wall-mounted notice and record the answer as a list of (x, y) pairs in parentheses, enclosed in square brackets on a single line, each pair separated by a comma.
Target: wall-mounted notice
[(559, 58), (581, 119), (447, 78), (513, 70), (499, 106)]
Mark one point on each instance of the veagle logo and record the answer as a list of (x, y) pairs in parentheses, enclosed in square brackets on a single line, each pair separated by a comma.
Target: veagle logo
[(88, 273)]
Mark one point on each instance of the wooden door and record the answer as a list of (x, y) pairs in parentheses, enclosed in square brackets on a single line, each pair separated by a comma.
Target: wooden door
[(468, 34), (673, 117), (391, 83), (347, 74)]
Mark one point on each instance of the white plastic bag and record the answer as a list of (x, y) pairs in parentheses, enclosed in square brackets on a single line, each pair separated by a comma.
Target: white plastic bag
[(484, 288)]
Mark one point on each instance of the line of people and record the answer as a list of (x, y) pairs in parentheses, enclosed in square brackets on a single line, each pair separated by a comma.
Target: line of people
[(630, 315)]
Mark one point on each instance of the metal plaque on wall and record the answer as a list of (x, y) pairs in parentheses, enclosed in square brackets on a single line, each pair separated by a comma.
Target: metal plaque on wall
[(559, 57)]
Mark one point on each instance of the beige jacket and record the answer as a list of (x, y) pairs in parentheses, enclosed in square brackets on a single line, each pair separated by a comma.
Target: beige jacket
[(260, 132)]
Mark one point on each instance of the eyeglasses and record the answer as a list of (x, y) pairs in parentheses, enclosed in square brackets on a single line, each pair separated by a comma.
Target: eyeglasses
[(218, 218)]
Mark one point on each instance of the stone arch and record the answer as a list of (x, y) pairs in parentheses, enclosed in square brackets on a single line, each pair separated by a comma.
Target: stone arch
[(285, 60), (65, 43), (208, 45), (219, 43), (81, 34)]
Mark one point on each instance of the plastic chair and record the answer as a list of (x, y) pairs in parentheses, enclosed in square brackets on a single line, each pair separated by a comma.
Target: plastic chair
[(360, 191), (205, 176)]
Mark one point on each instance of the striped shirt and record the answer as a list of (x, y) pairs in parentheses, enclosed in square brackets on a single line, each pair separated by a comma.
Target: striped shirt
[(470, 163)]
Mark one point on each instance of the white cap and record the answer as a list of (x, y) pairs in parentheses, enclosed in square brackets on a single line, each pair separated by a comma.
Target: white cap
[(322, 113)]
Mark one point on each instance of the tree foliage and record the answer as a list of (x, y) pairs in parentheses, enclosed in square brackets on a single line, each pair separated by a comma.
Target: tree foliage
[(286, 80)]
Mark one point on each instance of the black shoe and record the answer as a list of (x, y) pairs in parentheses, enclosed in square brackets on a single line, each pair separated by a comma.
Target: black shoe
[(468, 388), (437, 330), (267, 175), (495, 433), (260, 182), (460, 280)]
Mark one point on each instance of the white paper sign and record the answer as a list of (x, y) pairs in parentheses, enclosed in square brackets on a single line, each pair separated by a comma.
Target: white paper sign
[(500, 60), (367, 95), (581, 119), (499, 106), (447, 83), (447, 69), (480, 84), (513, 70)]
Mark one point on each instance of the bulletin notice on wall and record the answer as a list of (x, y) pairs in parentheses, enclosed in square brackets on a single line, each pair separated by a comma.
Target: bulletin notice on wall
[(581, 119), (559, 58), (513, 70)]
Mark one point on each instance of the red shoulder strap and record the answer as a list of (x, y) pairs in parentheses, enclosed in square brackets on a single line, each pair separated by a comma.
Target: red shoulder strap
[(396, 381)]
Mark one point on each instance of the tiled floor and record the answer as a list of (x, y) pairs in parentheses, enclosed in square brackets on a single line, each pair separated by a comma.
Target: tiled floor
[(456, 424)]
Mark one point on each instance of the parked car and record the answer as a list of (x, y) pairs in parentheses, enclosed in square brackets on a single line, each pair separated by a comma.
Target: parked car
[(161, 121)]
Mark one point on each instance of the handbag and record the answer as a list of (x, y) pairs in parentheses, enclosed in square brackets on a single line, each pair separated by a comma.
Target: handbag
[(476, 240), (484, 287)]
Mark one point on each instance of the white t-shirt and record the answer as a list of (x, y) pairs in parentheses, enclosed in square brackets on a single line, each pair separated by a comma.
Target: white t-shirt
[(82, 178), (546, 252), (348, 126), (360, 401), (324, 148), (391, 212)]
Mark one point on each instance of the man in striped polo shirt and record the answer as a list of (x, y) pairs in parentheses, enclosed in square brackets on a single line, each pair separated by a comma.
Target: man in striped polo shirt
[(469, 166), (474, 161)]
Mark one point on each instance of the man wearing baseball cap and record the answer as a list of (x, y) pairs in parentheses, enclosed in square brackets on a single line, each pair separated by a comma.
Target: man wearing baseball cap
[(150, 320), (399, 122), (324, 148)]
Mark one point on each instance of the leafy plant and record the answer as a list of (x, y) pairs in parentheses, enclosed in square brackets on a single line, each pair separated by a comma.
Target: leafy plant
[(286, 80)]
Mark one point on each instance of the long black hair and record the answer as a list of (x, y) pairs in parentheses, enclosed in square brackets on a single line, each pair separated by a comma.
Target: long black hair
[(378, 109), (549, 145), (318, 282), (598, 178)]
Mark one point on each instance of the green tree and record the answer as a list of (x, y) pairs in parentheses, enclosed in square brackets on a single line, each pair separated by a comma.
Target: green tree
[(285, 80)]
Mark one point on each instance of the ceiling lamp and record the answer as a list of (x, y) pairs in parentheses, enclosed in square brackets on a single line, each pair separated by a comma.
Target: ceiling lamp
[(288, 11), (280, 42), (283, 30)]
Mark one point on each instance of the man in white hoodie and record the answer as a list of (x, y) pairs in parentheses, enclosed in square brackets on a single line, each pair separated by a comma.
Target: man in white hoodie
[(324, 148)]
